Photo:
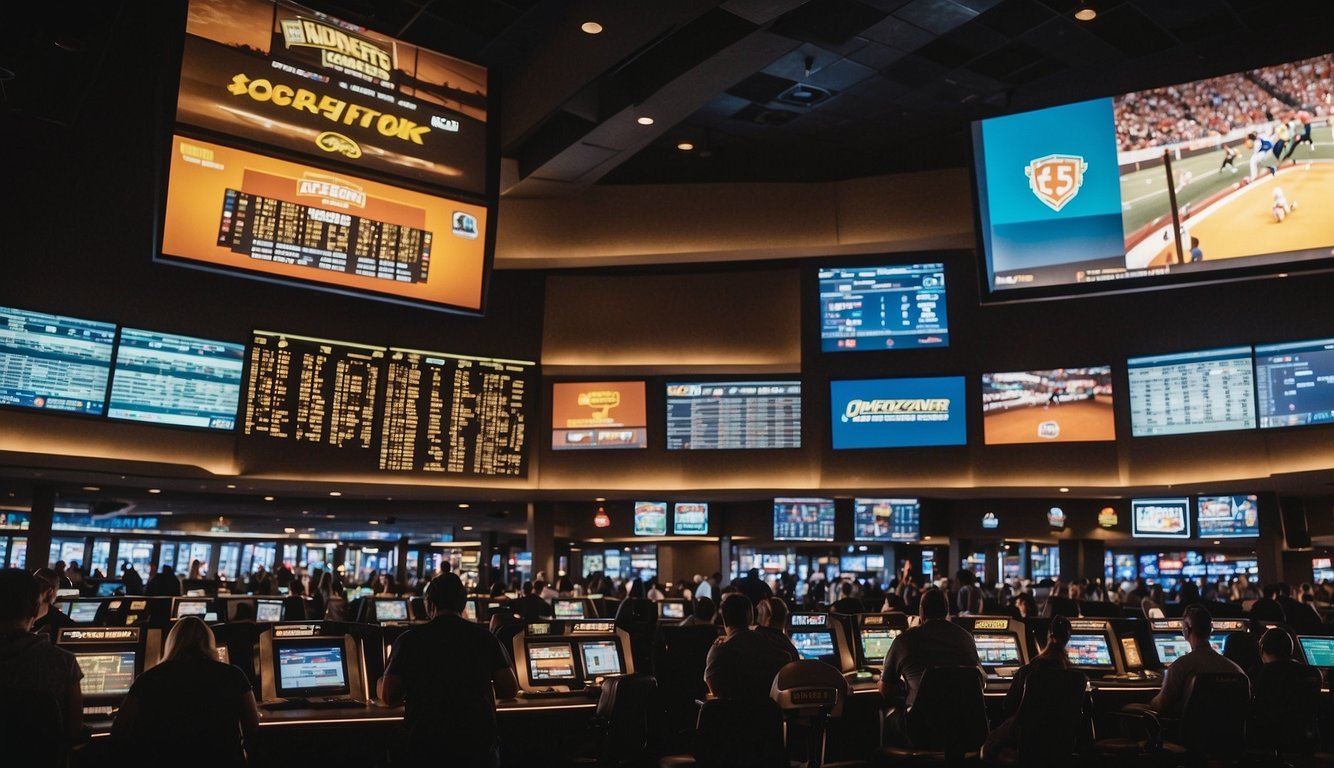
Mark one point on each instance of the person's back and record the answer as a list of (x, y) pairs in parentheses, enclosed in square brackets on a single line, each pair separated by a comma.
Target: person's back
[(30, 666), (847, 604), (935, 643), (753, 587), (1285, 715), (448, 673), (531, 606), (770, 618), (1202, 659), (743, 663), (187, 701)]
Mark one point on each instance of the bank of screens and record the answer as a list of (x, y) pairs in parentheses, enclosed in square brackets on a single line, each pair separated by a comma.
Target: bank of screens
[(1075, 198), (1047, 406), (268, 610), (734, 415), (671, 609), (1295, 383), (83, 611), (310, 668), (690, 518), (999, 649), (875, 644), (1227, 517), (1170, 647), (1205, 391), (1319, 651), (886, 519), (1160, 518), (164, 378), (391, 610), (106, 674), (53, 362), (815, 646), (603, 414), (191, 608), (1089, 651), (898, 413), (390, 111), (550, 663), (601, 658), (568, 609), (650, 518), (804, 519), (877, 308)]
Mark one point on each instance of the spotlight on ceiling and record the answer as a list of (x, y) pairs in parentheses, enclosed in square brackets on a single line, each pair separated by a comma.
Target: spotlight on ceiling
[(1086, 13), (591, 28)]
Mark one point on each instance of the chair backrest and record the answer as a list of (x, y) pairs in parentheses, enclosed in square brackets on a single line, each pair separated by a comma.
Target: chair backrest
[(1213, 719), (32, 728), (949, 714), (740, 733), (807, 688), (625, 706), (1052, 716), (1286, 712)]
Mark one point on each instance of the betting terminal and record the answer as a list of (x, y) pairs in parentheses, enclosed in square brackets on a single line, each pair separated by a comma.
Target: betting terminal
[(569, 658)]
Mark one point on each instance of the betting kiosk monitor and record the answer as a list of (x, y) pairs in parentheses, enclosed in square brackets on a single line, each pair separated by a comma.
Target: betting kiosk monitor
[(671, 609), (874, 634), (110, 658), (1091, 650), (1318, 651), (569, 609), (299, 665), (268, 611), (392, 611), (1222, 628), (110, 588), (1168, 642), (569, 657), (84, 611), (1000, 641), (817, 638), (185, 606)]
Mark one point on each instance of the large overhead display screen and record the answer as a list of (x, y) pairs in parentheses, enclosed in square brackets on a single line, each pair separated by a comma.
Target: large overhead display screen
[(393, 183), (870, 308), (603, 414), (1295, 383), (165, 378), (898, 413), (1059, 405), (53, 362), (1172, 184), (734, 414), (1204, 391)]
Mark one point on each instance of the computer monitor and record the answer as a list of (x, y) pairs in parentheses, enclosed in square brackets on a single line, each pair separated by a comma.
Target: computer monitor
[(310, 667), (568, 609), (1170, 647), (671, 610), (998, 649), (1218, 641), (1319, 651), (106, 673), (189, 608), (875, 643), (83, 611), (391, 610), (110, 588), (551, 663), (268, 610), (601, 658), (1090, 651), (815, 646)]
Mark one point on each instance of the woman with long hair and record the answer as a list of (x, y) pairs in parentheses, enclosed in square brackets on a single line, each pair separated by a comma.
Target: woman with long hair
[(190, 699)]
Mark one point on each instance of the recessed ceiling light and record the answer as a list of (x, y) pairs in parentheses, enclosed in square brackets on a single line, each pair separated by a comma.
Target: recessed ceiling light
[(231, 485), (289, 530), (1063, 490), (91, 488), (685, 146), (335, 493), (600, 498), (644, 120), (467, 527), (155, 490), (463, 505), (375, 522), (1086, 13), (591, 28), (926, 538), (268, 498)]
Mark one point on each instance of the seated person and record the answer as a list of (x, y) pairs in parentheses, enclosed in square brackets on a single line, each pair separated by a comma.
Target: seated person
[(743, 663), (1277, 682), (771, 617), (531, 606), (449, 673), (50, 619), (188, 700), (1053, 656), (1196, 626), (847, 604), (29, 663), (705, 610)]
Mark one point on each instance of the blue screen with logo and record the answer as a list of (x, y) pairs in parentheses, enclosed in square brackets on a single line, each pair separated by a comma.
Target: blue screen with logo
[(898, 413)]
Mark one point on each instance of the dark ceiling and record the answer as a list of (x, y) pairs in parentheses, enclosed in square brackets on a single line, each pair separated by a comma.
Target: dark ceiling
[(765, 90)]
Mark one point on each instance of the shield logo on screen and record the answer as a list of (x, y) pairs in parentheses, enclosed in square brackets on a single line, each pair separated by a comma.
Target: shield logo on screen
[(1056, 179)]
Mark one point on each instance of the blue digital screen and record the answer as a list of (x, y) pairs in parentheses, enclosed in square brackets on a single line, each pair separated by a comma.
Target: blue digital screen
[(898, 413), (878, 308), (163, 378), (1227, 517), (1295, 383), (53, 362), (886, 520)]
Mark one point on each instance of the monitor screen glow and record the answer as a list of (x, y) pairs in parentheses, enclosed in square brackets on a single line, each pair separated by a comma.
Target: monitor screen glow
[(83, 611), (163, 378), (550, 663), (568, 609), (1295, 382), (875, 644), (650, 518), (886, 519), (815, 646), (53, 362), (1048, 406), (1227, 517), (391, 610), (601, 658), (1319, 651), (1089, 651), (803, 519), (997, 650), (598, 415), (690, 518), (898, 413), (1170, 647), (1204, 391), (879, 308), (1160, 518), (268, 610), (734, 415), (310, 668), (106, 674)]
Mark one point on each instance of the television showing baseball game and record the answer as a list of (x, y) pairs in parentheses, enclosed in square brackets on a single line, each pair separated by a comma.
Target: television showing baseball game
[(898, 413), (1048, 406), (1185, 182), (887, 307)]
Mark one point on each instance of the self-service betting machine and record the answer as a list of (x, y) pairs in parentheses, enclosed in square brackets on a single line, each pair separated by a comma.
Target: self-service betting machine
[(303, 667), (873, 634), (820, 638), (574, 656), (111, 658), (1001, 642)]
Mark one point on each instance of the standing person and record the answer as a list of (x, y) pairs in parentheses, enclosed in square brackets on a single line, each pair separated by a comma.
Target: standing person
[(29, 663), (753, 587), (449, 672), (134, 582), (165, 584), (1229, 159), (189, 699)]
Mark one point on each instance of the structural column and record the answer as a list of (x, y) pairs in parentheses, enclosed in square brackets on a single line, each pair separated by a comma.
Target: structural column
[(542, 538), (40, 518)]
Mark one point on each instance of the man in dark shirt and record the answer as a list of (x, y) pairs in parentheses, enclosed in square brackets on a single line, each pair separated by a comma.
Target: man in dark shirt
[(743, 663), (50, 619), (934, 643), (531, 606), (29, 663), (704, 613), (1196, 625), (770, 618), (1279, 683), (449, 672), (165, 583), (847, 604), (753, 587)]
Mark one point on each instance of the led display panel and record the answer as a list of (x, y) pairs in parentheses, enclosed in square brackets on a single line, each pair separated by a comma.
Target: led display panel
[(164, 378), (594, 415), (1160, 518), (877, 308), (733, 415), (1048, 406), (898, 413), (53, 362), (886, 519), (690, 518), (1227, 517), (650, 518), (1205, 391), (1295, 383), (803, 519)]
